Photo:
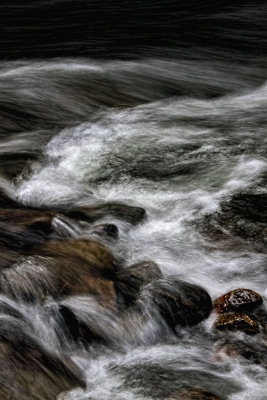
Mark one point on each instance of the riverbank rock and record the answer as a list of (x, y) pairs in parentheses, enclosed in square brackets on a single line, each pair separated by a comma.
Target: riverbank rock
[(129, 280), (127, 213), (238, 300), (28, 370), (178, 302), (237, 322), (69, 267), (193, 394)]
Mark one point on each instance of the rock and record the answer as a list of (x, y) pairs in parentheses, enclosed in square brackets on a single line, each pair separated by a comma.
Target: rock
[(129, 280), (178, 302), (86, 320), (105, 231), (28, 370), (242, 218), (193, 394), (237, 348), (6, 201), (238, 300), (130, 214), (234, 322), (21, 228), (69, 267)]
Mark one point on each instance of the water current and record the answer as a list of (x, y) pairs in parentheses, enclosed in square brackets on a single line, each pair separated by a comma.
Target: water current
[(177, 131)]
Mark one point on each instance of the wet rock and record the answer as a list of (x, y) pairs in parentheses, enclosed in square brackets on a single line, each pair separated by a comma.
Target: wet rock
[(194, 394), (243, 218), (235, 322), (129, 280), (252, 352), (86, 320), (238, 300), (21, 228), (178, 302), (28, 370), (6, 201), (63, 268), (127, 213), (105, 231)]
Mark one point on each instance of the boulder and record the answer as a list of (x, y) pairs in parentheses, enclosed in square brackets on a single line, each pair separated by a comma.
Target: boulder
[(22, 228), (69, 267), (178, 302), (105, 231), (129, 280), (253, 352), (127, 213), (237, 322), (29, 371), (238, 300), (193, 394), (242, 218)]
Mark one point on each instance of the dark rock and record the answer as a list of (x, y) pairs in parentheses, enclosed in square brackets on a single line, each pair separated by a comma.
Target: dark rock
[(130, 214), (129, 280), (28, 370), (243, 218), (238, 300), (104, 231), (6, 201), (193, 394), (252, 352), (21, 228), (179, 303), (63, 268), (234, 322)]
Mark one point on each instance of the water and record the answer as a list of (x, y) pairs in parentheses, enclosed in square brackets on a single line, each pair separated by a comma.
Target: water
[(176, 128)]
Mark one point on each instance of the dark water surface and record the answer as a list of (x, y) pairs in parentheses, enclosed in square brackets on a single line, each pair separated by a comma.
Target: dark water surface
[(153, 104)]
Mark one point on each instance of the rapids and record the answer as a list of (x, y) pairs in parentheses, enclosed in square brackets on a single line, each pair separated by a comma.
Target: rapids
[(176, 135)]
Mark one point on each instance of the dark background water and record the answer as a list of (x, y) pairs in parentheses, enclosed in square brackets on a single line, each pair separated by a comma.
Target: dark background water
[(121, 28)]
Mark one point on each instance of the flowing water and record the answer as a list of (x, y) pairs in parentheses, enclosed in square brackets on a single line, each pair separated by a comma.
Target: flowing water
[(175, 131)]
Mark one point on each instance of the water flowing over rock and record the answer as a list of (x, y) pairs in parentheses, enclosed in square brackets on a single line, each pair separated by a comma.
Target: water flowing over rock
[(194, 394), (179, 303)]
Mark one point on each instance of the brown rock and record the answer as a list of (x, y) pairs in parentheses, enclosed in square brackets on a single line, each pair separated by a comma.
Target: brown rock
[(63, 268), (238, 300), (234, 322), (193, 394)]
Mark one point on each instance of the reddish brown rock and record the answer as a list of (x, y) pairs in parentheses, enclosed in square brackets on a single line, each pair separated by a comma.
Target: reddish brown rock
[(193, 394), (234, 322), (238, 300)]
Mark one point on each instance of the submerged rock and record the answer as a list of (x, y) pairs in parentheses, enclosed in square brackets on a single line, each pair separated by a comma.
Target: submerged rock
[(178, 302), (104, 231), (234, 322), (238, 300), (193, 394), (243, 217), (253, 352), (127, 213), (129, 280), (28, 370), (57, 269)]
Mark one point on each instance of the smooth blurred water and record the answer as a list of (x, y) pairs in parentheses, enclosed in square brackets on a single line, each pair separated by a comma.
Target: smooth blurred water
[(154, 115)]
